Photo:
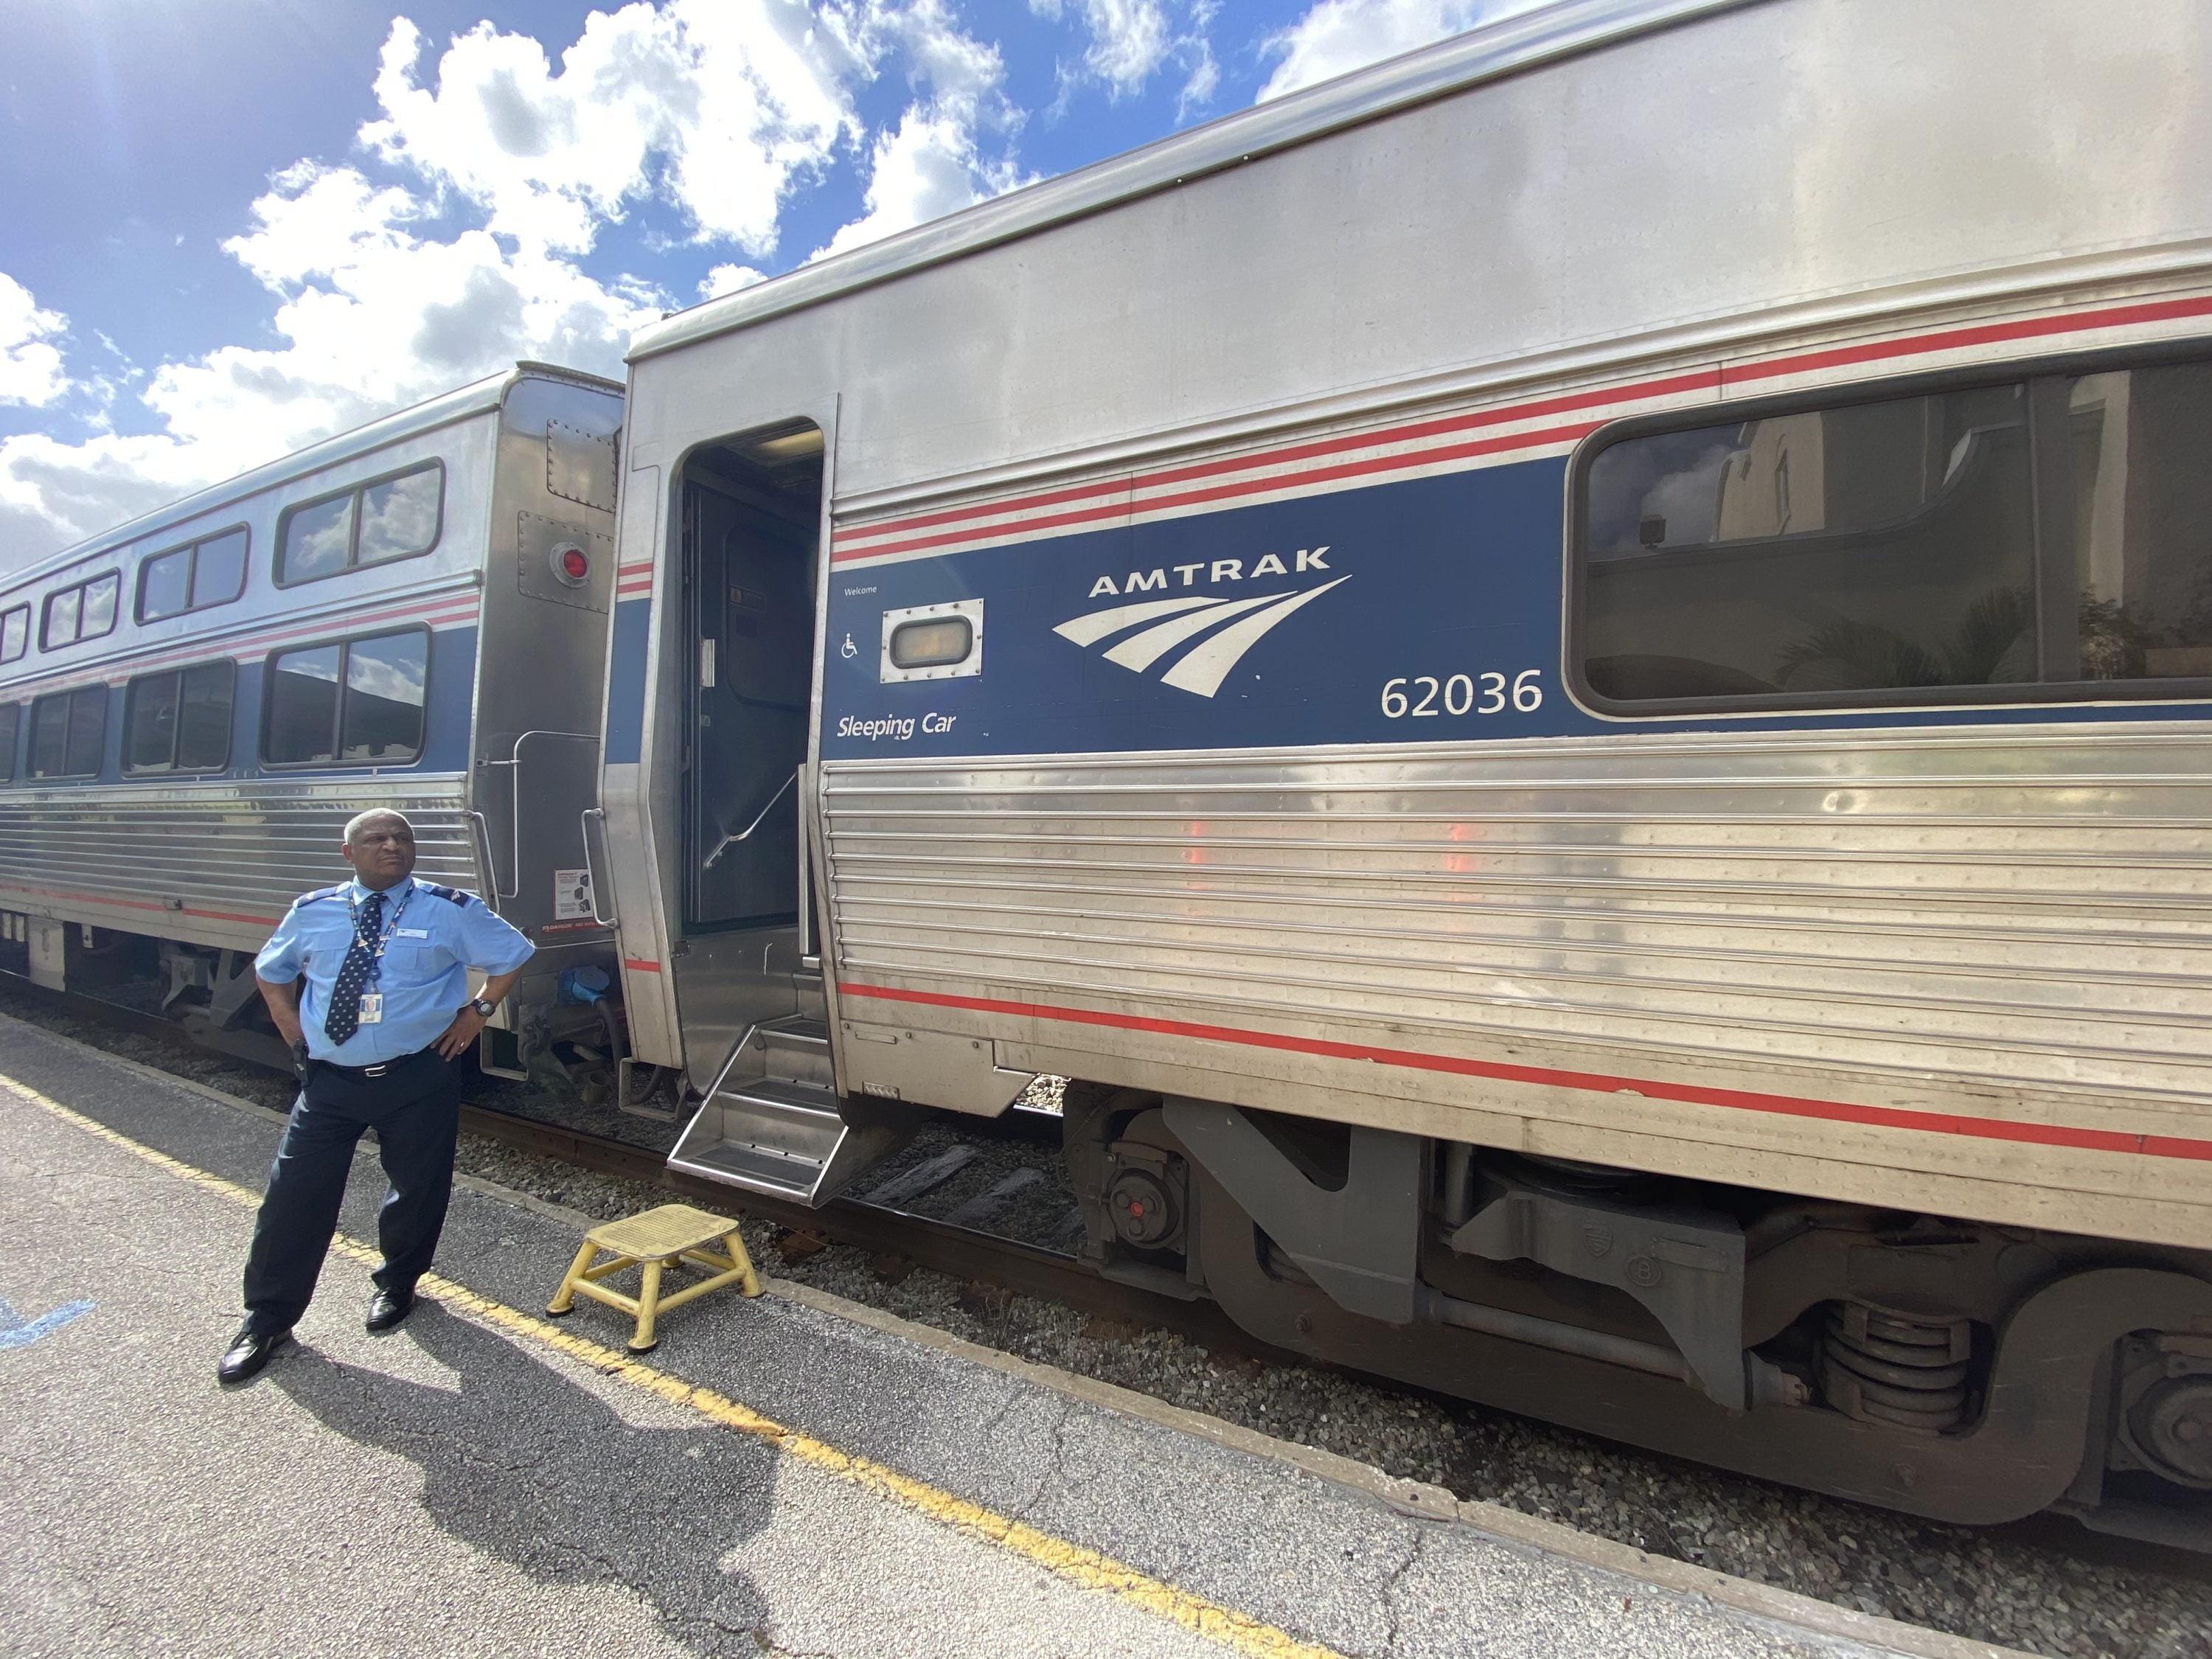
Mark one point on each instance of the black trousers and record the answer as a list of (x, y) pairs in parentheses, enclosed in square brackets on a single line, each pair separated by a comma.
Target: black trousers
[(415, 1108)]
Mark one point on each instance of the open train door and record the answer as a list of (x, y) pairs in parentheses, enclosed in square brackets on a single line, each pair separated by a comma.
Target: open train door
[(749, 986)]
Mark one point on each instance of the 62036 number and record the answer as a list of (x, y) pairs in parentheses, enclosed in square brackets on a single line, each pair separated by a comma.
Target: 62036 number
[(1416, 695)]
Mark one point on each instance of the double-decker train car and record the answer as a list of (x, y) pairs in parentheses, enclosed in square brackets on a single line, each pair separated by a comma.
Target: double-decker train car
[(1571, 680), (411, 615)]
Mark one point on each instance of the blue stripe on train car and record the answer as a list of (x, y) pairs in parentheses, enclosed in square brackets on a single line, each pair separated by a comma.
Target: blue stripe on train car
[(625, 741), (1267, 626)]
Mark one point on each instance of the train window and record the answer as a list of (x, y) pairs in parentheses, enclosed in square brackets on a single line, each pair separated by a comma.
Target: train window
[(65, 613), (2006, 542), (212, 571), (393, 518), (360, 702), (68, 730), (2142, 523), (179, 720), (933, 642), (84, 611), (15, 633), (11, 719)]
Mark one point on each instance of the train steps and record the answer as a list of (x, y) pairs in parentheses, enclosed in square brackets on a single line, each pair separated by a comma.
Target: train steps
[(773, 1122)]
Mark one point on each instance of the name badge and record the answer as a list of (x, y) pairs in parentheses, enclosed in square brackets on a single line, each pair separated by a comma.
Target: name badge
[(372, 1008), (414, 932)]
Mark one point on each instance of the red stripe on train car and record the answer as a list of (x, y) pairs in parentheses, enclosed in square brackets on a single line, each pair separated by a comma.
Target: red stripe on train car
[(1722, 378), (135, 904), (1373, 464), (1885, 1117)]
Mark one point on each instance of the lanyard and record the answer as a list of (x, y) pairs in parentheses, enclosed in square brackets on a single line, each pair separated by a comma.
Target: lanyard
[(376, 946)]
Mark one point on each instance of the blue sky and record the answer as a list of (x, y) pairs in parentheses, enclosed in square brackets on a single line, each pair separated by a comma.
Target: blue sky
[(233, 228)]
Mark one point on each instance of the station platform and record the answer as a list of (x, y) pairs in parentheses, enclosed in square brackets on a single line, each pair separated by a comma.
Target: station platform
[(783, 1475)]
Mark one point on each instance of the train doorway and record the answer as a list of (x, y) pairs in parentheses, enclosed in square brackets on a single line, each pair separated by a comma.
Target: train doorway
[(752, 517)]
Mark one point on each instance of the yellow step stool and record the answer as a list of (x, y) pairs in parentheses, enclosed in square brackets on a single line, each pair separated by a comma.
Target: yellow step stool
[(655, 1241)]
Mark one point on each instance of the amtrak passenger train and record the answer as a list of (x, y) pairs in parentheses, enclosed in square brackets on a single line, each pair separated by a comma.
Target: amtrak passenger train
[(1570, 678)]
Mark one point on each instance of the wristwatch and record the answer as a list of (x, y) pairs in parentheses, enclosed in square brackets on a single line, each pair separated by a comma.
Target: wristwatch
[(483, 1008)]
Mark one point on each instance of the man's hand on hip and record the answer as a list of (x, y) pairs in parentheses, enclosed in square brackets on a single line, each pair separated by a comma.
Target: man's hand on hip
[(463, 1031)]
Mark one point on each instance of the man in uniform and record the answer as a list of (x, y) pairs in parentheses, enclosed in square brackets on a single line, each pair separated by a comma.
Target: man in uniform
[(385, 1015)]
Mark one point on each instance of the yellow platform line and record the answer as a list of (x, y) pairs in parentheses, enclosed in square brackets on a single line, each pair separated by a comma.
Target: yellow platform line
[(1075, 1563)]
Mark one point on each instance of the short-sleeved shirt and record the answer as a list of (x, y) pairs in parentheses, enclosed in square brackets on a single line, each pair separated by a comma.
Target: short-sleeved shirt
[(436, 935)]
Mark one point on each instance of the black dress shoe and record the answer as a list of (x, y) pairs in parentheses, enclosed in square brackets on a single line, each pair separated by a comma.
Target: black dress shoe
[(387, 1307), (249, 1353)]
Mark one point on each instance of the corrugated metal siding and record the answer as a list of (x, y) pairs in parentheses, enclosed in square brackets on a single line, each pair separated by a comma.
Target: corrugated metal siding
[(213, 863), (2029, 907)]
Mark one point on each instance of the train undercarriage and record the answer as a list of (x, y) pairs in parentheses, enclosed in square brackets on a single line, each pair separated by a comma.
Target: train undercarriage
[(1970, 1373)]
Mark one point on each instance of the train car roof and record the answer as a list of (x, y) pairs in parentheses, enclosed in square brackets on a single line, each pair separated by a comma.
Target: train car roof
[(475, 398), (1565, 29)]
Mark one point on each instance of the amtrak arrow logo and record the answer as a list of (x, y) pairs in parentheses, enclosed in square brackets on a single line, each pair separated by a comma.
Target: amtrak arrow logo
[(17, 1331), (1201, 669)]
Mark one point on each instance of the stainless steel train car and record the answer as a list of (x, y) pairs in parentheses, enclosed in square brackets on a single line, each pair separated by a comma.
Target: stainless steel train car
[(1572, 679), (413, 615)]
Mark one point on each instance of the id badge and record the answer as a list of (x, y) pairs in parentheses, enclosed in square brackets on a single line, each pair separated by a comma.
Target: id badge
[(372, 1008)]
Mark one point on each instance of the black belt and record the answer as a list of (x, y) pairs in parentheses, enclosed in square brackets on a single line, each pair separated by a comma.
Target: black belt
[(377, 1070)]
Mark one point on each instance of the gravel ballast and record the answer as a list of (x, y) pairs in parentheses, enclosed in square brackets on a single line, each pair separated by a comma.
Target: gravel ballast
[(2108, 1599)]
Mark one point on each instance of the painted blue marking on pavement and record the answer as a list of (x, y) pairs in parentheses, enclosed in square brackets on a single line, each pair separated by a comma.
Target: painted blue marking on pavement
[(17, 1331)]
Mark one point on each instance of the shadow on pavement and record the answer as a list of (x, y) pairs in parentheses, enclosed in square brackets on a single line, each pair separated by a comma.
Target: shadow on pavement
[(526, 1466)]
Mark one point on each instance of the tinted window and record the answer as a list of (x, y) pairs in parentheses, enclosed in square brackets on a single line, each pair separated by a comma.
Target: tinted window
[(219, 569), (203, 717), (384, 681), (11, 715), (99, 597), (165, 584), (15, 633), (303, 705), (212, 572), (149, 729), (63, 610), (378, 721), (393, 518), (2142, 522), (68, 731), (400, 516), (318, 540), (1866, 548), (49, 736), (180, 719), (82, 612)]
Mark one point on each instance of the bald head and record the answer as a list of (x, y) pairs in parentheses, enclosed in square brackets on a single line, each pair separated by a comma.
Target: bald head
[(379, 844)]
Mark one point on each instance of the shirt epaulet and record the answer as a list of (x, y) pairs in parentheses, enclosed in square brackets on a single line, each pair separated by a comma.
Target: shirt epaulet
[(451, 895), (305, 899)]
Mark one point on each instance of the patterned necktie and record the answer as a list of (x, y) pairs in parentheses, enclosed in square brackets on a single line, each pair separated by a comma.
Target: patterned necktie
[(342, 1018)]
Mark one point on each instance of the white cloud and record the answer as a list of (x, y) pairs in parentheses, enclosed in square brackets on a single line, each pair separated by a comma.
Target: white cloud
[(934, 162), (925, 168), (733, 98), (372, 317), (728, 279), (1129, 41), (1338, 36), (718, 106), (30, 360)]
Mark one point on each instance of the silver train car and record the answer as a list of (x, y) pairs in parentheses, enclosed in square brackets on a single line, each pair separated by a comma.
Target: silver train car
[(413, 615), (1571, 680)]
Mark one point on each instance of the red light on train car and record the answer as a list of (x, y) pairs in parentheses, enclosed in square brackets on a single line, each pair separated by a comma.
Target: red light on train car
[(571, 566)]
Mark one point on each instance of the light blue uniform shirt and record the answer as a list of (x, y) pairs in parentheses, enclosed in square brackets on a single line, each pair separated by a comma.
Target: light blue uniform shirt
[(439, 935)]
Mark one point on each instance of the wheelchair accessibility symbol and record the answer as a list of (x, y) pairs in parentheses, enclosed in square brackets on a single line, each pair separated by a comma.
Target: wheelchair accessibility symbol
[(849, 649)]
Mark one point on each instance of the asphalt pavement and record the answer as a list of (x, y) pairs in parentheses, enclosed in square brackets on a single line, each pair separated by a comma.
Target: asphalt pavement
[(775, 1478)]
